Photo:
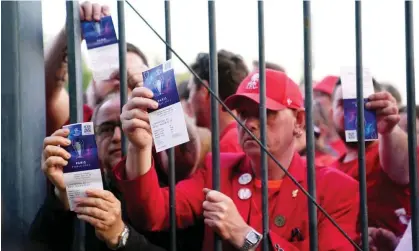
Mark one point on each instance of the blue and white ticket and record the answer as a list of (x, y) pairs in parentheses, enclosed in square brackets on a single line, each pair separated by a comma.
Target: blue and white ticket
[(348, 79), (102, 45), (82, 171), (167, 122)]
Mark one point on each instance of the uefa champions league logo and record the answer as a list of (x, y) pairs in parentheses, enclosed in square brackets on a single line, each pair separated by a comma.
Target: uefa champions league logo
[(98, 29), (78, 145)]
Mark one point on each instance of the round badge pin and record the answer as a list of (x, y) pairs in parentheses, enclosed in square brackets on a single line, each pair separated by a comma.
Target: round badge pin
[(245, 179), (244, 193)]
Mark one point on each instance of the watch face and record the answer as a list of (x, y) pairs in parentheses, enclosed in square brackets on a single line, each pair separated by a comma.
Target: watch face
[(252, 237)]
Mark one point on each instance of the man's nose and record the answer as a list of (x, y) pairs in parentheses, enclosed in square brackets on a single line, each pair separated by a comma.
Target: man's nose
[(252, 123), (116, 137)]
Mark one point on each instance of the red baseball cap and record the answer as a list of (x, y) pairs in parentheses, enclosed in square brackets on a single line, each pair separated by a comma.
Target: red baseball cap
[(281, 91), (326, 85)]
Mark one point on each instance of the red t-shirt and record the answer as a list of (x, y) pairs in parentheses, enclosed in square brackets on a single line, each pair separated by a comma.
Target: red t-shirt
[(384, 196), (229, 139), (339, 147)]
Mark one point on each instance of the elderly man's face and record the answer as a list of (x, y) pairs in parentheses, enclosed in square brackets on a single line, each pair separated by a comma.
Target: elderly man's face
[(108, 133), (281, 128)]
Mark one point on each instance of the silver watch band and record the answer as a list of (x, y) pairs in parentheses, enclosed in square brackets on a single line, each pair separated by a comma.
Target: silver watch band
[(123, 237), (252, 240)]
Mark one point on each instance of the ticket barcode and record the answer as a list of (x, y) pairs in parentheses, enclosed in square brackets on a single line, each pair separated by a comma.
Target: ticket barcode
[(351, 135), (87, 128)]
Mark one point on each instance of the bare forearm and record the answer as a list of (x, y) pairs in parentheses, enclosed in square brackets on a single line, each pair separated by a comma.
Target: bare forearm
[(54, 57), (57, 100), (138, 162), (394, 155)]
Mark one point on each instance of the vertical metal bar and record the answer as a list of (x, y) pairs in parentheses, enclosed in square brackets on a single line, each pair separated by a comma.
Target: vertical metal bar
[(76, 92), (123, 86), (411, 123), (311, 171), (215, 139), (360, 131), (262, 114), (22, 120), (171, 152)]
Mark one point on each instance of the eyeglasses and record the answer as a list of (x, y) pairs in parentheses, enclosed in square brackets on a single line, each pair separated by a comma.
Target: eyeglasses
[(107, 128)]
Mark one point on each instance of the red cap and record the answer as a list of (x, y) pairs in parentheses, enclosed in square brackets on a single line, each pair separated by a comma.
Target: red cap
[(326, 85), (281, 91)]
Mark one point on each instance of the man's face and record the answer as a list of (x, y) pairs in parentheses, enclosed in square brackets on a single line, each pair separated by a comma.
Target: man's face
[(338, 113), (199, 104), (106, 87), (324, 100), (108, 133), (280, 128)]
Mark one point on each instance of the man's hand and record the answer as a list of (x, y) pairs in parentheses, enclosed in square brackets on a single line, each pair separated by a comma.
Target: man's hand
[(54, 158), (381, 239), (134, 76), (103, 211), (93, 12), (387, 111), (222, 216), (134, 118)]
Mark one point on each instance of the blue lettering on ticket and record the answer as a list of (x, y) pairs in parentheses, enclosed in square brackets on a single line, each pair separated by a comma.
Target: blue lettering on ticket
[(83, 149), (351, 121), (163, 85), (98, 34)]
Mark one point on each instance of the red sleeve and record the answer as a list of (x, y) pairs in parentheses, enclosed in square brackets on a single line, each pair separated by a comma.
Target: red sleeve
[(148, 204), (277, 242), (343, 207)]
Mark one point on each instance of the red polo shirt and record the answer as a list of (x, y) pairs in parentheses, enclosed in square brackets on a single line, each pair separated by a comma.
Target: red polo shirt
[(229, 139), (384, 196)]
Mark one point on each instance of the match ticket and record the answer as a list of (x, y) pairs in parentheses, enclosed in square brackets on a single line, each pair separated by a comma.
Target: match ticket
[(348, 78), (167, 122), (82, 171), (102, 45)]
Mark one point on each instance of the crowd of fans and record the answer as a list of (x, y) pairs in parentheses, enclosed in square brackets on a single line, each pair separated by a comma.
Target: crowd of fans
[(132, 212)]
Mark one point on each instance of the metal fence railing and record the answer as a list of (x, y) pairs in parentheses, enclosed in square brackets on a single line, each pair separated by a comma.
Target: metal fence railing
[(76, 115), (75, 83)]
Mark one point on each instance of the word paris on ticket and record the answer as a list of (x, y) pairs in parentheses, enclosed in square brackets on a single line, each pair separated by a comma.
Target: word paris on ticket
[(82, 171), (167, 122)]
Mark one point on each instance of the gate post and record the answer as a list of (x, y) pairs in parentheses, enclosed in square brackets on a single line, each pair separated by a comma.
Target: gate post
[(23, 128)]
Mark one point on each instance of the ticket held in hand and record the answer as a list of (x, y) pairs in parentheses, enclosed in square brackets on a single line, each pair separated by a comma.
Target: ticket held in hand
[(102, 45), (348, 78), (167, 122), (82, 171)]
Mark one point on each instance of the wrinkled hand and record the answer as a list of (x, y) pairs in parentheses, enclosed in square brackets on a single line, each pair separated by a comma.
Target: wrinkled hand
[(386, 109), (103, 211), (381, 239), (134, 76), (222, 216), (135, 120), (54, 158)]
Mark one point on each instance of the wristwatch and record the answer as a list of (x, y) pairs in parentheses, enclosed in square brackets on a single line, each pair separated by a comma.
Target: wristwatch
[(251, 241), (123, 238)]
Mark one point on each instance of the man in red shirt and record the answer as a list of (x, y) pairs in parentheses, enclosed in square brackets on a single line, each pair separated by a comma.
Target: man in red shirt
[(235, 212), (387, 165), (231, 71)]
